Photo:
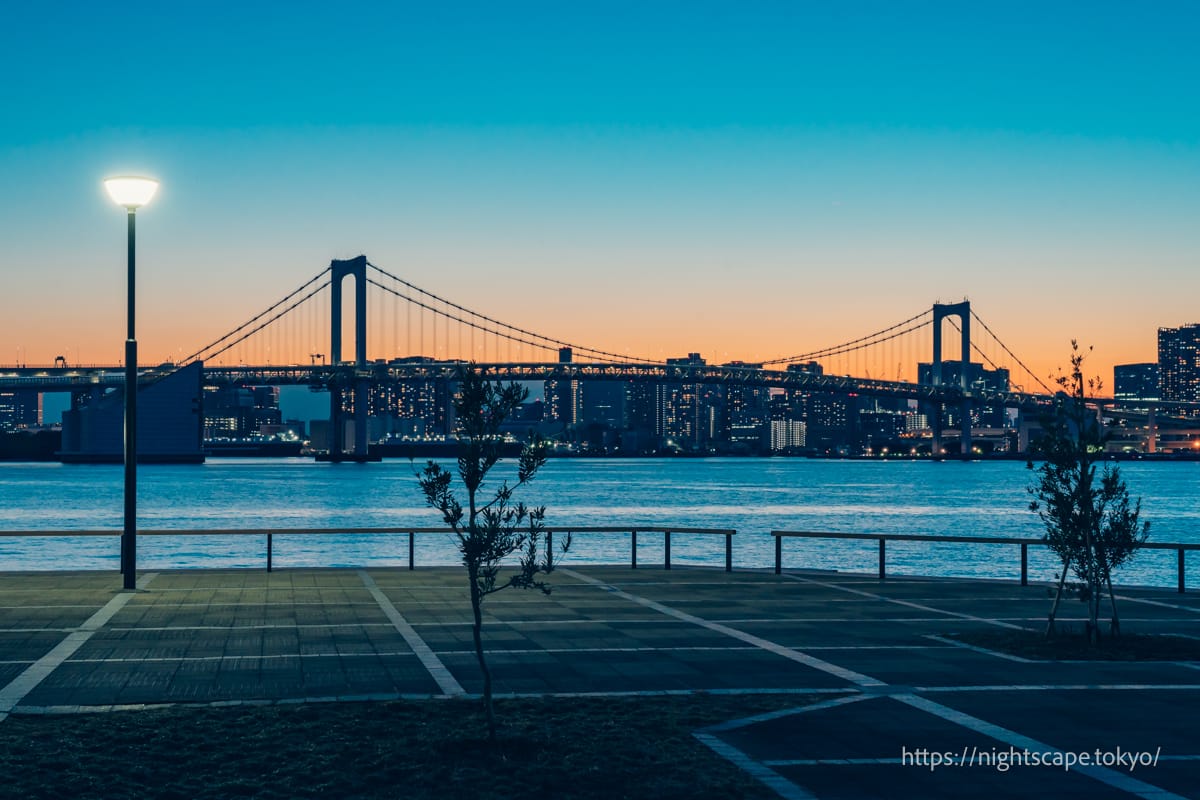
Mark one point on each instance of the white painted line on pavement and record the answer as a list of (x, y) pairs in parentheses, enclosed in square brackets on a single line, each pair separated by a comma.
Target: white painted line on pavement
[(445, 681), (1071, 687), (764, 775), (1158, 603), (733, 725), (795, 655), (983, 650), (1118, 780), (906, 603), (20, 686)]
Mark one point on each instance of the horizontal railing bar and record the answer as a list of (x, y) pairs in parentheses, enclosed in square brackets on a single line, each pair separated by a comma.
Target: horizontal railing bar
[(353, 531), (929, 537)]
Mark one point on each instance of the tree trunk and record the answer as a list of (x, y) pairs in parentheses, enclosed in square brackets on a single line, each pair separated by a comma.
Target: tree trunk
[(477, 633), (1096, 591), (1114, 627), (1093, 623), (1057, 597)]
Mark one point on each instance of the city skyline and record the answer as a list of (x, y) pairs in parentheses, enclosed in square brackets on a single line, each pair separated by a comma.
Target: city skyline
[(743, 184)]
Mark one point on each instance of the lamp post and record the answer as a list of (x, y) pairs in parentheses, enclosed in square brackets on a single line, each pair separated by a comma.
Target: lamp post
[(132, 193)]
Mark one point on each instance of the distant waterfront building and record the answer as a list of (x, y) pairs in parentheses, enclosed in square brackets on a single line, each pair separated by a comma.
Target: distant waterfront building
[(745, 415), (787, 434), (880, 427), (1179, 363), (602, 403), (237, 412), (20, 410), (170, 423), (562, 398), (685, 420), (1136, 382), (641, 417), (411, 408), (829, 418), (978, 377)]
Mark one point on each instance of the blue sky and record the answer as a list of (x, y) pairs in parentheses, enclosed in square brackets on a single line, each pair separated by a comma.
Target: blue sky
[(747, 180)]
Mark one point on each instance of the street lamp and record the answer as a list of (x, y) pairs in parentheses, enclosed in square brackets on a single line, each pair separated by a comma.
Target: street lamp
[(132, 193)]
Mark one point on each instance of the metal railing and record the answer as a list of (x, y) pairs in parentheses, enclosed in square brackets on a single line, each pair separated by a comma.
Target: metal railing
[(269, 535), (884, 538)]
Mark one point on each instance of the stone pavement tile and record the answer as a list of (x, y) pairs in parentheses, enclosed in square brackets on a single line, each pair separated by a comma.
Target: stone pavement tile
[(874, 728), (25, 614), (80, 684), (648, 671), (884, 728), (28, 646), (890, 781), (1174, 776), (1133, 719), (962, 667), (10, 671)]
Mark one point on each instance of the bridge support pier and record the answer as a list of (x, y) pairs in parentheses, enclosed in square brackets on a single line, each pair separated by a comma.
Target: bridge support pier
[(963, 312), (349, 377)]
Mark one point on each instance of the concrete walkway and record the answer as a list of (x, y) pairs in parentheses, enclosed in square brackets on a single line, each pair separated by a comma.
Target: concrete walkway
[(898, 691)]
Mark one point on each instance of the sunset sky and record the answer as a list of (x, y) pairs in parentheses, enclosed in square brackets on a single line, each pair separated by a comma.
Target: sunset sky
[(746, 180)]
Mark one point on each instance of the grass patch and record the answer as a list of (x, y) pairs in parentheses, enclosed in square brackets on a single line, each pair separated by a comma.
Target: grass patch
[(1071, 645), (552, 747)]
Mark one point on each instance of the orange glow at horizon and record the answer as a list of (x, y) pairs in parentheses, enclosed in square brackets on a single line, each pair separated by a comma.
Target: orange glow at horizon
[(397, 329)]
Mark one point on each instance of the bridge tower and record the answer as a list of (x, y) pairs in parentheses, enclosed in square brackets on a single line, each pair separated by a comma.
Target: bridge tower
[(339, 270), (963, 312)]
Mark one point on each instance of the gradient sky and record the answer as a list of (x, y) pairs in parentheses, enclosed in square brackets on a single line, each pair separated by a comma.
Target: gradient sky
[(746, 180)]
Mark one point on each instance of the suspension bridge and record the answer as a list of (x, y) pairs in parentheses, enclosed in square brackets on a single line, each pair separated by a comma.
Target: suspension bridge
[(402, 332)]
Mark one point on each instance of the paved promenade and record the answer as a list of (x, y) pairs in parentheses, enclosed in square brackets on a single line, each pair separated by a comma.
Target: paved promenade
[(897, 690)]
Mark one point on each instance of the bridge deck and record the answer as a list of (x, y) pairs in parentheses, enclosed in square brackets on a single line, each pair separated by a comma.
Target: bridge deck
[(69, 642)]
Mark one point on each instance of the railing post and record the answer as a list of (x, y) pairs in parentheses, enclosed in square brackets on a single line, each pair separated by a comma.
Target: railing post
[(270, 543), (1182, 587), (549, 549), (778, 554), (882, 558), (633, 550), (1024, 563), (729, 552), (411, 564), (667, 550)]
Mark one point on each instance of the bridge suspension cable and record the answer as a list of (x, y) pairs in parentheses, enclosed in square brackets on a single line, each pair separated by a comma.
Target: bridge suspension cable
[(991, 364), (1011, 353), (502, 329), (251, 332), (204, 351), (861, 343), (455, 318)]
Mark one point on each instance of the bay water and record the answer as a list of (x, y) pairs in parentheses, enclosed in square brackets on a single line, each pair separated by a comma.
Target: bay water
[(752, 495)]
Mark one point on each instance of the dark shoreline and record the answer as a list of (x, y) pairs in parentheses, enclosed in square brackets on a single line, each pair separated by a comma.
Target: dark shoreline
[(44, 447)]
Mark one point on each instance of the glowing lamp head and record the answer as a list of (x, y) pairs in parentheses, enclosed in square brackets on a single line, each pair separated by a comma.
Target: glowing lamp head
[(131, 192)]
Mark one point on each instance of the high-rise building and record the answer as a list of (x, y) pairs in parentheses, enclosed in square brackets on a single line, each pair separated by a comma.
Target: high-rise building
[(685, 416), (563, 400), (239, 411), (602, 403), (1135, 382), (1179, 363), (787, 434), (411, 407), (746, 415), (786, 430), (641, 417)]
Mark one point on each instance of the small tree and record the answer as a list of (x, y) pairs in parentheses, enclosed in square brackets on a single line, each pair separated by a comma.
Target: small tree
[(492, 531), (1090, 523)]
